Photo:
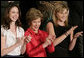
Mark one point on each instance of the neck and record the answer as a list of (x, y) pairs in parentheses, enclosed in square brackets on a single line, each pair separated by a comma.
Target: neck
[(12, 25), (60, 23)]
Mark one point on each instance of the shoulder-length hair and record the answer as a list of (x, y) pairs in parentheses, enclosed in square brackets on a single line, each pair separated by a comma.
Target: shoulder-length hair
[(6, 19), (33, 14), (60, 7)]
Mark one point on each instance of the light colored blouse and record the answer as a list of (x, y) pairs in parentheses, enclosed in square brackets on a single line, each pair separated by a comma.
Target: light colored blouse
[(11, 39)]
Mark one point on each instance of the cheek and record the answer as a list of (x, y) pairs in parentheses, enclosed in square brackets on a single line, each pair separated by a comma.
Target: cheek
[(66, 15), (10, 16), (59, 16), (39, 23)]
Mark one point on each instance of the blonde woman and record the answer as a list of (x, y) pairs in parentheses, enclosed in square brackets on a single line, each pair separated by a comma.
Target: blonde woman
[(58, 26)]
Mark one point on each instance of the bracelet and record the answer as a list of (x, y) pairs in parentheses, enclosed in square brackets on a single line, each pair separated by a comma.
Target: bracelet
[(66, 34)]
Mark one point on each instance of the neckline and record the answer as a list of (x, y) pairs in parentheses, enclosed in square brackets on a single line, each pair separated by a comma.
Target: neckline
[(13, 33), (30, 30)]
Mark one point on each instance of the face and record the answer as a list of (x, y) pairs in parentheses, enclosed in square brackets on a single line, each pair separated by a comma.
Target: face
[(35, 24), (62, 15), (14, 14)]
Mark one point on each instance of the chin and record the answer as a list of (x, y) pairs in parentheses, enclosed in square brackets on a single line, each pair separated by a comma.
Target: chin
[(35, 29), (63, 20)]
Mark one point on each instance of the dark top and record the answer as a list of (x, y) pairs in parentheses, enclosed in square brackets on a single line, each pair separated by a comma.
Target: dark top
[(61, 50)]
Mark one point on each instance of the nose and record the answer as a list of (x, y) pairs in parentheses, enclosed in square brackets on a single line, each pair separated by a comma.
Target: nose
[(36, 23)]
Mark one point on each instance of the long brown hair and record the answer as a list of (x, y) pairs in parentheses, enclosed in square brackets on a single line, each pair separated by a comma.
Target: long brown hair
[(6, 19)]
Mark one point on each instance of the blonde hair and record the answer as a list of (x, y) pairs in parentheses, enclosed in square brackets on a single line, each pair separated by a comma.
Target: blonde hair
[(59, 6), (33, 14)]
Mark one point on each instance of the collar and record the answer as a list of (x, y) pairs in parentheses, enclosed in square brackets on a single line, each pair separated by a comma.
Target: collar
[(32, 32)]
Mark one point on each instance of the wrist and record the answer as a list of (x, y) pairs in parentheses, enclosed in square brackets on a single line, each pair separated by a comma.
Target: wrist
[(17, 44), (45, 45), (66, 34), (75, 37)]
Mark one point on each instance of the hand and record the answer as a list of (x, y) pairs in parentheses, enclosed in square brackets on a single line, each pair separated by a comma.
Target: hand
[(78, 34), (27, 39), (70, 30), (19, 41), (48, 41)]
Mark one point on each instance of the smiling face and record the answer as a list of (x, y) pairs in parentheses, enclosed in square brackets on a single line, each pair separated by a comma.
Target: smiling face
[(35, 24), (14, 14), (62, 15)]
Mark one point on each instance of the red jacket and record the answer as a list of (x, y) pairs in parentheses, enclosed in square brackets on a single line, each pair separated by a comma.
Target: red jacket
[(34, 48)]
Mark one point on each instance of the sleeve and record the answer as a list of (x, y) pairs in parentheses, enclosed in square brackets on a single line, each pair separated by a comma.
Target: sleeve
[(30, 49), (3, 31), (22, 31), (33, 51), (51, 48)]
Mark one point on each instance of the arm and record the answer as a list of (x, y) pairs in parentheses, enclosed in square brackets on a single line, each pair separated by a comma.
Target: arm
[(73, 42), (5, 50), (50, 30), (51, 48), (33, 51), (25, 40), (23, 48), (58, 40)]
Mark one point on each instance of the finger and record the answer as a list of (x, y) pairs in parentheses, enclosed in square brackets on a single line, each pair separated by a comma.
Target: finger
[(27, 40), (78, 35), (23, 37), (75, 27), (49, 41), (29, 37), (81, 35), (81, 32)]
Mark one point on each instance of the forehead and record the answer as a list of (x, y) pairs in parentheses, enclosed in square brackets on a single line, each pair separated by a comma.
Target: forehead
[(63, 10), (14, 8), (37, 19)]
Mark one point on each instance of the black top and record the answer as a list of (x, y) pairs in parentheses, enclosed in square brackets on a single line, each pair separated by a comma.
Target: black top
[(61, 50)]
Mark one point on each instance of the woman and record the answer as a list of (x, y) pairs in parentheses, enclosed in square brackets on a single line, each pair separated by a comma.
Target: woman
[(58, 26), (12, 34), (39, 39)]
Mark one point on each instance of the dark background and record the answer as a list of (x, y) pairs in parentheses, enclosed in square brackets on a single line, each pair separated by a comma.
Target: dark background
[(75, 16)]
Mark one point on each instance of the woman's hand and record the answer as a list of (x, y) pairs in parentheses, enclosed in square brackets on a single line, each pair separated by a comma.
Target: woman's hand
[(27, 39), (70, 30), (49, 40), (78, 34)]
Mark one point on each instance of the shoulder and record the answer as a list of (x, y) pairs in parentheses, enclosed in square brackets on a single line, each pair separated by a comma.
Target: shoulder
[(3, 29), (43, 32), (20, 28), (27, 32), (50, 23)]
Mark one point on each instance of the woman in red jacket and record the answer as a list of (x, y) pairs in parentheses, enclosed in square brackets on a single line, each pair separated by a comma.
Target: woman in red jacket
[(39, 39)]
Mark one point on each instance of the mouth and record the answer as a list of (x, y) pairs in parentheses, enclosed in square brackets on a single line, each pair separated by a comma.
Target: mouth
[(36, 27), (14, 18)]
